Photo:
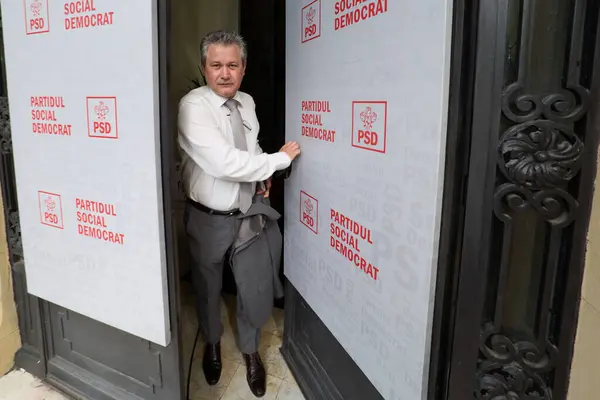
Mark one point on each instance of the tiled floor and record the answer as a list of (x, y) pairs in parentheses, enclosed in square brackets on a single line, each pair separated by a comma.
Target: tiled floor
[(20, 385), (233, 386)]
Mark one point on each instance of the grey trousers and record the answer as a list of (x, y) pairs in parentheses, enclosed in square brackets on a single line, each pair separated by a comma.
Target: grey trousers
[(210, 236)]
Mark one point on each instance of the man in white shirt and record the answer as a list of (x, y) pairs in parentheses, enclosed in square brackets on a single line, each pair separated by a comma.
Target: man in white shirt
[(222, 167)]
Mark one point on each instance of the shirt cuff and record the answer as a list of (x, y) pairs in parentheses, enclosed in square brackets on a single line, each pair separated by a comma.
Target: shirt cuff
[(280, 160)]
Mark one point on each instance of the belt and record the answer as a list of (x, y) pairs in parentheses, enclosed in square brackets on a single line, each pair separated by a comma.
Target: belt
[(210, 211)]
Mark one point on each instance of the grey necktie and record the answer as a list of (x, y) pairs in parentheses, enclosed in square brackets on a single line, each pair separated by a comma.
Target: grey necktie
[(239, 139)]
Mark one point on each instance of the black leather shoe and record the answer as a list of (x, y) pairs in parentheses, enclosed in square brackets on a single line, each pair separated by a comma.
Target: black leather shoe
[(211, 363), (255, 374)]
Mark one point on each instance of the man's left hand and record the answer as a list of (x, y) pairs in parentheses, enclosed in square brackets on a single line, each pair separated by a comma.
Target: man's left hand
[(265, 192), (268, 187)]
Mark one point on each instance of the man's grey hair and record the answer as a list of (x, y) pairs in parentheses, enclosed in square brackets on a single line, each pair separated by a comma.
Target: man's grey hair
[(223, 38)]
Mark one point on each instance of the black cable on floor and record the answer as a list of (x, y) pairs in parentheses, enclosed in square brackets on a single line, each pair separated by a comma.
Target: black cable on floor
[(187, 391)]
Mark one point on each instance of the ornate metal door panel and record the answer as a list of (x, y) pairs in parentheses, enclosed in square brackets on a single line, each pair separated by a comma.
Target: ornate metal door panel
[(531, 169)]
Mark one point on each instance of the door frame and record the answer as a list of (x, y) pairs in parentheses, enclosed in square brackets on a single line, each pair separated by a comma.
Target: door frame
[(459, 313), (170, 179), (458, 141)]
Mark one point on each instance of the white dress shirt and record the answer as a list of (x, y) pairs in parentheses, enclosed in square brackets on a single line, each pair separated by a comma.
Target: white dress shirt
[(211, 165)]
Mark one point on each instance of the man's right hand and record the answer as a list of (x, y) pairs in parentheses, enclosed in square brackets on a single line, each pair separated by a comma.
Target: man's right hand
[(292, 149)]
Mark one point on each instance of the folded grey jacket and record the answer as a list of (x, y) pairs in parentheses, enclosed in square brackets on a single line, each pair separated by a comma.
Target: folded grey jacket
[(255, 260)]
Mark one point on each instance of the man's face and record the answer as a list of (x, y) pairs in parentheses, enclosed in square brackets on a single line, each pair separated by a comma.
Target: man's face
[(224, 69)]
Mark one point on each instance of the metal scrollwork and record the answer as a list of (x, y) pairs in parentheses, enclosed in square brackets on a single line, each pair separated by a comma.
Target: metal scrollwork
[(513, 369), (568, 105), (510, 382), (14, 234), (555, 206), (5, 136), (499, 348), (539, 154), (540, 150)]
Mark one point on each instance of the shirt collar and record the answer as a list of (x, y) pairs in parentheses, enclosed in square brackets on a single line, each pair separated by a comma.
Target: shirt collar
[(218, 101)]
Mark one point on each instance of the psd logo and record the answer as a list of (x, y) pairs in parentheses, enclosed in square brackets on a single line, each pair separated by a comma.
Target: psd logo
[(309, 212), (102, 117), (369, 125), (311, 21), (50, 209), (36, 17)]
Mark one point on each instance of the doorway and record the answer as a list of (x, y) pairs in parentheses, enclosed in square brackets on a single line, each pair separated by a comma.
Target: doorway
[(262, 24), (310, 349)]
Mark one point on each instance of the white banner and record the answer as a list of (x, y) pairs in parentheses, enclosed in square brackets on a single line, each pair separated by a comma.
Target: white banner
[(83, 95), (367, 94)]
